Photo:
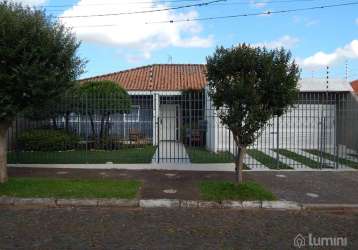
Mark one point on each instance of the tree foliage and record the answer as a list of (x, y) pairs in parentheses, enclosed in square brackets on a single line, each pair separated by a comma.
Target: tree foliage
[(38, 62), (38, 59), (59, 107), (100, 99), (248, 86)]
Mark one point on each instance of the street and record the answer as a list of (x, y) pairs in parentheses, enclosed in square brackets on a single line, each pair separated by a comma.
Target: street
[(114, 228)]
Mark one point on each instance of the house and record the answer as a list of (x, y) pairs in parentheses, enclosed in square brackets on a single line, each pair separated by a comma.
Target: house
[(157, 93), (171, 107)]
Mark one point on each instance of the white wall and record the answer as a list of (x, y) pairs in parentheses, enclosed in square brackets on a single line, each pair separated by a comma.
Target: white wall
[(305, 126)]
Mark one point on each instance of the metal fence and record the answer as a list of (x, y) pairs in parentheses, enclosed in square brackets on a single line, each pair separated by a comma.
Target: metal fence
[(318, 133)]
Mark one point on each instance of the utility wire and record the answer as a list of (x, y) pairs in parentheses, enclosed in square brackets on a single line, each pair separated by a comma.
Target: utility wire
[(257, 13), (147, 11), (164, 2), (233, 16), (59, 11), (123, 3)]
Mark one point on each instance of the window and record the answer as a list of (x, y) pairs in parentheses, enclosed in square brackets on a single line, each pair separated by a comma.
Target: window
[(133, 116)]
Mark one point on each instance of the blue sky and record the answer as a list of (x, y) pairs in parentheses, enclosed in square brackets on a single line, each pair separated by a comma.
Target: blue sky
[(316, 38)]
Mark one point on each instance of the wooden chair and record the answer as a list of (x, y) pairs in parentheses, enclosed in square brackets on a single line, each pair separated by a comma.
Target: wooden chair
[(196, 137), (134, 135)]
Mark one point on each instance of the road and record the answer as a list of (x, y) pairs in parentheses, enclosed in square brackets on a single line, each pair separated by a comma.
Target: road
[(115, 228)]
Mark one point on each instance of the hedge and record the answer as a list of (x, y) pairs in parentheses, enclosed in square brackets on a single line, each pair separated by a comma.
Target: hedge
[(46, 140)]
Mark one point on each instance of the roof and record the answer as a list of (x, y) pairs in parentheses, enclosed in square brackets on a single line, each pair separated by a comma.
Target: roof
[(354, 85), (159, 77), (179, 77), (320, 85)]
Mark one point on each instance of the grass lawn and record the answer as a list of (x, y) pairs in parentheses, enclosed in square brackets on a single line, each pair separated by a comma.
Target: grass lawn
[(67, 188), (267, 160), (202, 155), (225, 190), (333, 158), (299, 158), (125, 155)]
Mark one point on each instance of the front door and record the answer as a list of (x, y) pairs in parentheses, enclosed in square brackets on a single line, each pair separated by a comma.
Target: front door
[(168, 122)]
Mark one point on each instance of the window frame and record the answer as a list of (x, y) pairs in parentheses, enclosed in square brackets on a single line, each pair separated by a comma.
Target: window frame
[(137, 119)]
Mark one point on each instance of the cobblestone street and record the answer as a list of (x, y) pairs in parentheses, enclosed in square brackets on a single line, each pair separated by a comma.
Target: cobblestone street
[(94, 228)]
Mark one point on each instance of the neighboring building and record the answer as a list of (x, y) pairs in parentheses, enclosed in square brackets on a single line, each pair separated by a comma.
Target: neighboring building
[(354, 85)]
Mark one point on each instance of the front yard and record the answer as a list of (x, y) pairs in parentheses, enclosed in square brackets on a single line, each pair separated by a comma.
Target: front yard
[(331, 157), (267, 160), (66, 188), (125, 155), (202, 155)]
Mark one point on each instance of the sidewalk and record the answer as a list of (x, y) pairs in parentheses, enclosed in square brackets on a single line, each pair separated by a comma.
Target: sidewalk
[(302, 187)]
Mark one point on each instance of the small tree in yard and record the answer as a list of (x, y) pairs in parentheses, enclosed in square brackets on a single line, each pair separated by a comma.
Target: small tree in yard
[(101, 99), (248, 86), (37, 63)]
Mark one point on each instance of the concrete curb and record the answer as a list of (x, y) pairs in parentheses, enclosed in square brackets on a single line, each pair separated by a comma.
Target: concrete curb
[(328, 207), (173, 203)]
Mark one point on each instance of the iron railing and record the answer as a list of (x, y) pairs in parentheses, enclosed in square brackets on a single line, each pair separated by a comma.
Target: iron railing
[(319, 132)]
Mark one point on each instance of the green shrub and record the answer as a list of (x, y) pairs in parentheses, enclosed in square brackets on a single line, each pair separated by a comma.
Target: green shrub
[(46, 140)]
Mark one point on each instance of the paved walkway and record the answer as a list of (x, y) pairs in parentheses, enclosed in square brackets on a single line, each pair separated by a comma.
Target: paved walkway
[(303, 187), (171, 152)]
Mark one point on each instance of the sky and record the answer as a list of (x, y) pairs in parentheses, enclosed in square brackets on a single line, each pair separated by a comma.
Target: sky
[(115, 40)]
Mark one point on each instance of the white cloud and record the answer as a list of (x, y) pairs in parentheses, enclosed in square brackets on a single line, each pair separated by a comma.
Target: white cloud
[(130, 31), (321, 59), (357, 21), (259, 4), (286, 41), (308, 22), (30, 2)]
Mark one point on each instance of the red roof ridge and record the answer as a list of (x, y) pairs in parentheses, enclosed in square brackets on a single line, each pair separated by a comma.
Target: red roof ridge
[(164, 77), (142, 67), (116, 72)]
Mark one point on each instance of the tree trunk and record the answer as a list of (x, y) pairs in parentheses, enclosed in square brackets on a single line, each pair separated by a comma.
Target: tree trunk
[(67, 122), (54, 123), (107, 125), (94, 134), (3, 152), (101, 131), (239, 162)]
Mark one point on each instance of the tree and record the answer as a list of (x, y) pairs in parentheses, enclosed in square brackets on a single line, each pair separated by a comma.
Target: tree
[(38, 62), (101, 99), (61, 106), (248, 86)]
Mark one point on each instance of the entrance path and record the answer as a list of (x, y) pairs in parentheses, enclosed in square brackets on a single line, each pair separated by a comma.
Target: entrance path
[(303, 187), (171, 152)]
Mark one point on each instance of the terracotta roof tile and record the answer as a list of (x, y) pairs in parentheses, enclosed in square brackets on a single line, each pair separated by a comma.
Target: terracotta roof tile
[(159, 77), (354, 85)]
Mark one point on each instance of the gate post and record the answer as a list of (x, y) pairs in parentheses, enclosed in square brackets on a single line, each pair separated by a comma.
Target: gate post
[(158, 139), (277, 143)]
